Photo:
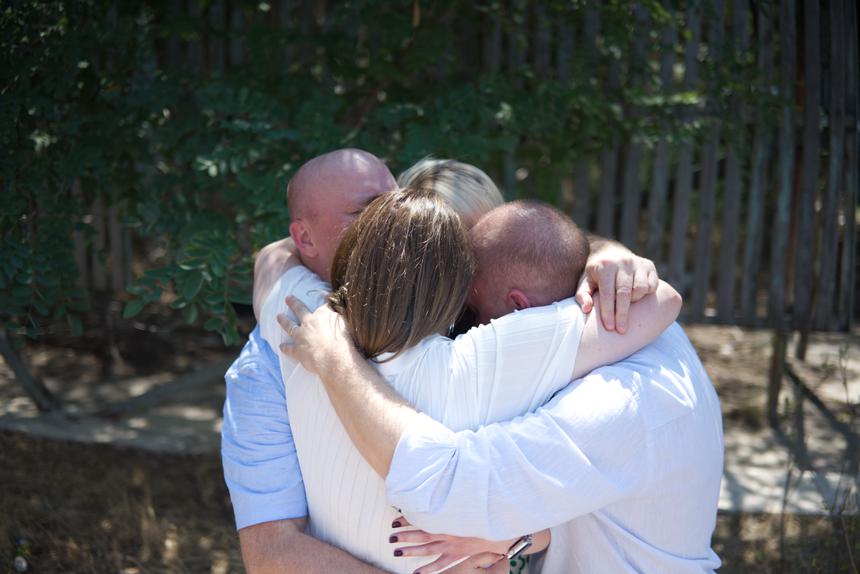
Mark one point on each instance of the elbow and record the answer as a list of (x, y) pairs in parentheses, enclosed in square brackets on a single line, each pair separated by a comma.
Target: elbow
[(671, 302)]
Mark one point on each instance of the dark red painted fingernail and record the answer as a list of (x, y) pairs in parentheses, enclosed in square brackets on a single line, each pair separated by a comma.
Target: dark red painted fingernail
[(392, 539), (398, 552), (395, 524)]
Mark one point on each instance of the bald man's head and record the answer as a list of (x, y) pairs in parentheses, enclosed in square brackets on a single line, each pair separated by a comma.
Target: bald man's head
[(528, 254), (324, 197)]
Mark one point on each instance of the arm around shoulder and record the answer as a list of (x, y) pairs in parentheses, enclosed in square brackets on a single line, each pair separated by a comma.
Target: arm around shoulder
[(271, 262), (648, 318), (282, 547)]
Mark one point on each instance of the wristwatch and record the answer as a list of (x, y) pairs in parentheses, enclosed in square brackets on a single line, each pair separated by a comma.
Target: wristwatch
[(520, 546)]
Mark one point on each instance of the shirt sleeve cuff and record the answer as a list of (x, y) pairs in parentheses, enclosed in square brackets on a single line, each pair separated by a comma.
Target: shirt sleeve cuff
[(255, 508), (421, 465)]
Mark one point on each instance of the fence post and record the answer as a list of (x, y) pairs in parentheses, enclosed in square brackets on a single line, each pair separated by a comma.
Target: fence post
[(684, 175), (830, 206), (758, 184), (806, 216), (729, 231), (631, 207), (851, 197), (660, 177)]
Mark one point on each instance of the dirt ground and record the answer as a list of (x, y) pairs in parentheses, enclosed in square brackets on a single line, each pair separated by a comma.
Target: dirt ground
[(75, 507), (78, 508)]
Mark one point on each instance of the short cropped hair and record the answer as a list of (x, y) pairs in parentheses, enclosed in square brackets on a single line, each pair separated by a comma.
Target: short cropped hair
[(531, 246), (464, 187)]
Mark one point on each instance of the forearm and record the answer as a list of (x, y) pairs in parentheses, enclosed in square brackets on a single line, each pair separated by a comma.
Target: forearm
[(597, 243), (372, 413), (281, 547)]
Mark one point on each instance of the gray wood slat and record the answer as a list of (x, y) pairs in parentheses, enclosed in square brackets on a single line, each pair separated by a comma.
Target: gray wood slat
[(781, 220), (684, 175), (811, 160), (730, 227), (707, 188), (758, 185), (662, 156), (827, 279)]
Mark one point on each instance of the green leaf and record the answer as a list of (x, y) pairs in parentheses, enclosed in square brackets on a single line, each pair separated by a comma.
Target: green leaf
[(132, 308), (192, 284), (190, 314)]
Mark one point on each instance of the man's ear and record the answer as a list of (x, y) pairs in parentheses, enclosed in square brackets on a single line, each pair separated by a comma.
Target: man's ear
[(516, 299), (304, 243)]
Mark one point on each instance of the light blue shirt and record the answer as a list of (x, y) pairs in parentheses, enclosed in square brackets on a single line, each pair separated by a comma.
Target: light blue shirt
[(626, 461), (261, 467)]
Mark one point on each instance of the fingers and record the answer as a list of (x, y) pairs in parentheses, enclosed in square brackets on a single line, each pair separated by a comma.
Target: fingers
[(440, 563), (640, 285), (606, 292), (480, 562), (623, 292), (429, 549), (653, 281), (299, 308), (287, 324), (400, 522), (414, 537), (287, 350), (584, 294)]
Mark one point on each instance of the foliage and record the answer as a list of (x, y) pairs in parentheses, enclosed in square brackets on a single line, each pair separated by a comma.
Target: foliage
[(196, 154)]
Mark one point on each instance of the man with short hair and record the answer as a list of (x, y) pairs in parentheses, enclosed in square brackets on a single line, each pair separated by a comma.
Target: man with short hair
[(260, 464)]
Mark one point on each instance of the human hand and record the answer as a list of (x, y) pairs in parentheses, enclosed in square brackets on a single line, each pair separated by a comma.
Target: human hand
[(319, 339), (450, 549), (620, 278)]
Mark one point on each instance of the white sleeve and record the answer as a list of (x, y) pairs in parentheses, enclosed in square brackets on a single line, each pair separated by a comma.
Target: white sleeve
[(299, 282), (580, 452), (520, 360)]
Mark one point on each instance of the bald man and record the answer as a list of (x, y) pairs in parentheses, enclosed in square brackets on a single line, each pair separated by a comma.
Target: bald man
[(258, 452)]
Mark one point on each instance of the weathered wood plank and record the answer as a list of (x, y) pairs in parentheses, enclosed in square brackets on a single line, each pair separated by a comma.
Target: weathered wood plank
[(758, 185), (609, 169), (80, 242), (217, 51), (827, 280), (684, 175), (99, 275), (779, 242), (236, 27), (662, 156), (851, 195), (493, 43), (117, 250), (707, 188), (730, 227), (564, 47), (631, 207), (806, 216), (542, 38), (582, 180)]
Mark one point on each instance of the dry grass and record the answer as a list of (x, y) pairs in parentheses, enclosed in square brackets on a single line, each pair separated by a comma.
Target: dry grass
[(97, 508)]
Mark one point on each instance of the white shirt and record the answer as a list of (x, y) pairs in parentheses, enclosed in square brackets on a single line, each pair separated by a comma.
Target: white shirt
[(626, 461), (492, 373)]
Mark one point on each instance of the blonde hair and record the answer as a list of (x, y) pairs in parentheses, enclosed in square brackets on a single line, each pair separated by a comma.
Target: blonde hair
[(466, 188), (402, 271)]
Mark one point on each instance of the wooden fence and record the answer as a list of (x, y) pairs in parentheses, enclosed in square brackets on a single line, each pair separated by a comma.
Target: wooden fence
[(755, 221)]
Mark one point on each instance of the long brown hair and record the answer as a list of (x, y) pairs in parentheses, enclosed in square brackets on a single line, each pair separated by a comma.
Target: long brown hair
[(402, 271)]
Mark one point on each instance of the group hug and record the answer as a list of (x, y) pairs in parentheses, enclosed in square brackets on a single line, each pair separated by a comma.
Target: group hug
[(442, 381)]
